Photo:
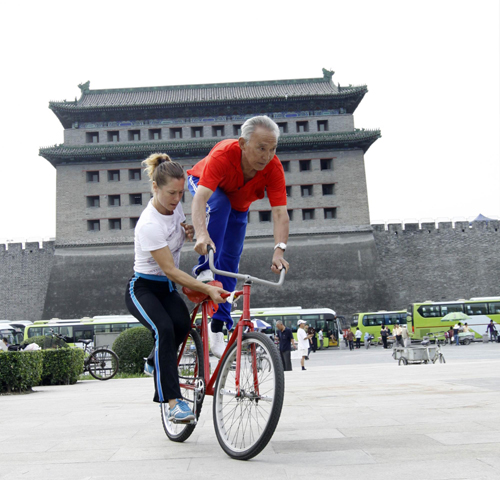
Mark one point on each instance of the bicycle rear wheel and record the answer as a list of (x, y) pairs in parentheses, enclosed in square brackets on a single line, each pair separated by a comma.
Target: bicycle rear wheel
[(190, 368), (245, 424), (103, 364)]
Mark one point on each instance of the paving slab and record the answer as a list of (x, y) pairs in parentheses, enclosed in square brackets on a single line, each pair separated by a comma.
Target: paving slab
[(340, 418)]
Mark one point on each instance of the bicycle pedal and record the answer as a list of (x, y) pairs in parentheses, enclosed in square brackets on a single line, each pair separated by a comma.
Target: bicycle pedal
[(184, 422)]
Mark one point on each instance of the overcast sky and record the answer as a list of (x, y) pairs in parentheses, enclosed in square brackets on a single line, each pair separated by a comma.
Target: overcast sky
[(432, 70)]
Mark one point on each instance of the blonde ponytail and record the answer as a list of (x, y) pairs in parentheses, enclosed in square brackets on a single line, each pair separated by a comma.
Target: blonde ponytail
[(160, 168)]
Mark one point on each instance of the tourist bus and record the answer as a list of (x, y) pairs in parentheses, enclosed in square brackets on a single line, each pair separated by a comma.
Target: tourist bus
[(372, 322), (84, 328), (426, 317), (317, 318)]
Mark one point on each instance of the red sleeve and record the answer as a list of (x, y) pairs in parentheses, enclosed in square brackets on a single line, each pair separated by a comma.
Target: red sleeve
[(214, 171), (276, 185)]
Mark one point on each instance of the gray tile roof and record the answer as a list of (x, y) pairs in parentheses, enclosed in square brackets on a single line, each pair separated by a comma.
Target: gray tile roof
[(186, 94)]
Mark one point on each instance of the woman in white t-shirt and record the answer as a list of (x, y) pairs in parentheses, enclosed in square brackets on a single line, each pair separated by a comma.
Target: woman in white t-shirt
[(151, 294)]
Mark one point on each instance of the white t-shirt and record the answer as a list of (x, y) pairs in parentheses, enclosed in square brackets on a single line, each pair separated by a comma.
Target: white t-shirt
[(154, 231), (302, 339), (358, 333)]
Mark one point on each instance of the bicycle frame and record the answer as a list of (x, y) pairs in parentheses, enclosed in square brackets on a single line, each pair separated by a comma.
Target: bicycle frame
[(236, 336)]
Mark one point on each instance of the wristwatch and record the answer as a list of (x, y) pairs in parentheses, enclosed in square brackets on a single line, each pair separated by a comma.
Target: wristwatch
[(280, 245)]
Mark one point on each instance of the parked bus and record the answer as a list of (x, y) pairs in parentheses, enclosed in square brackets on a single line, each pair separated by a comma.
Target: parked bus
[(426, 317), (13, 335), (371, 322), (317, 318), (85, 328)]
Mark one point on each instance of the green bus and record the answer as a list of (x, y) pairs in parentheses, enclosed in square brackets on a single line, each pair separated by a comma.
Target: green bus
[(426, 317), (372, 322), (317, 318), (85, 328)]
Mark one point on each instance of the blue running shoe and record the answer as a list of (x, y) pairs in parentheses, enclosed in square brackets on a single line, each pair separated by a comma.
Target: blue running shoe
[(148, 369), (181, 413)]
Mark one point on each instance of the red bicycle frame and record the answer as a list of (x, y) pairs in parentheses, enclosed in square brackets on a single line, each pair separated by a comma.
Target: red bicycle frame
[(236, 336)]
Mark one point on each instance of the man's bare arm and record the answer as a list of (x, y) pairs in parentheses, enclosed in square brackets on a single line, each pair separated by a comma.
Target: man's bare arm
[(281, 224), (198, 215)]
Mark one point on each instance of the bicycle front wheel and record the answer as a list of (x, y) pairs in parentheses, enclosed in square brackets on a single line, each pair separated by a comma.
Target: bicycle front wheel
[(244, 424), (103, 364), (190, 368)]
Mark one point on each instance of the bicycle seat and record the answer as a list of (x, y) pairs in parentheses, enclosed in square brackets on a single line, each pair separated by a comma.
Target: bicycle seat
[(198, 297), (82, 340)]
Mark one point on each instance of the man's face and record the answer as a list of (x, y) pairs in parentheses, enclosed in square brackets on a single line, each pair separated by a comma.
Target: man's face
[(260, 149)]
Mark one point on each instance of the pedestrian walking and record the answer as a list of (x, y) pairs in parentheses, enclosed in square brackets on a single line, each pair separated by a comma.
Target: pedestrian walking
[(350, 339), (286, 342), (358, 337), (303, 341), (384, 333), (320, 339)]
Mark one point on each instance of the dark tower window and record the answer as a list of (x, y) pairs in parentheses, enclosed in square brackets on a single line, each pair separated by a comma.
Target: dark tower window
[(286, 165), (308, 214), (306, 190), (265, 216), (196, 132), (237, 130), (92, 177), (288, 190), (135, 199), (115, 224), (283, 126), (114, 200), (133, 222), (327, 189), (155, 134), (302, 127), (134, 135), (305, 165), (92, 137), (134, 174), (93, 225), (93, 201), (330, 213), (322, 125), (326, 164), (113, 136), (175, 133), (218, 131), (113, 175)]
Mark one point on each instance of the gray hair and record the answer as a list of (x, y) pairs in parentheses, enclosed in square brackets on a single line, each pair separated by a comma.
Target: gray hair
[(261, 121)]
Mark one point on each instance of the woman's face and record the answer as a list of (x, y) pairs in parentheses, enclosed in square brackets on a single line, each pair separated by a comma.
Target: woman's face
[(169, 195)]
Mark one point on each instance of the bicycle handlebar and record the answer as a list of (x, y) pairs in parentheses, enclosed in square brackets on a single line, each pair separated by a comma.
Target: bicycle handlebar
[(240, 276)]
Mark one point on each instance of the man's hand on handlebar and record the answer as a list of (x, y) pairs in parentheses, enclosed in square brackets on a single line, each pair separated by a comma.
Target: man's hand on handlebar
[(279, 262), (202, 244)]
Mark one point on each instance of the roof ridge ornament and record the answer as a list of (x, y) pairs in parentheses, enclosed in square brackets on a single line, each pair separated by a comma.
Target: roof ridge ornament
[(328, 74), (84, 87)]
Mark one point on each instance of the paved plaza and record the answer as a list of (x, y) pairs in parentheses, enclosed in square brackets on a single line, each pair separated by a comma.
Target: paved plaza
[(350, 415)]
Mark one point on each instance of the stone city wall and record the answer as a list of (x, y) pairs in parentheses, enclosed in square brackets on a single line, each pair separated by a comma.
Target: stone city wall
[(352, 270)]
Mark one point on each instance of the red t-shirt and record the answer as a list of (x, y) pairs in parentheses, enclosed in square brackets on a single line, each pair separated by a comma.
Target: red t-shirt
[(222, 168)]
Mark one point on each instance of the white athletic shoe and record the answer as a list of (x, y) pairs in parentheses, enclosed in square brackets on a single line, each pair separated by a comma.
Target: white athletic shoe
[(205, 276), (217, 343)]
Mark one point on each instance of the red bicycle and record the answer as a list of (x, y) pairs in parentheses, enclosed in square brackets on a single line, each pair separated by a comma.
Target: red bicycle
[(247, 385)]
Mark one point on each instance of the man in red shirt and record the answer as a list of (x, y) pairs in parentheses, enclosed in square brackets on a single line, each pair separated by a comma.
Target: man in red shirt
[(224, 184)]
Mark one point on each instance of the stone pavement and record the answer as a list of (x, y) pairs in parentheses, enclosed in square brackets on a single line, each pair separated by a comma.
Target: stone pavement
[(370, 419)]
